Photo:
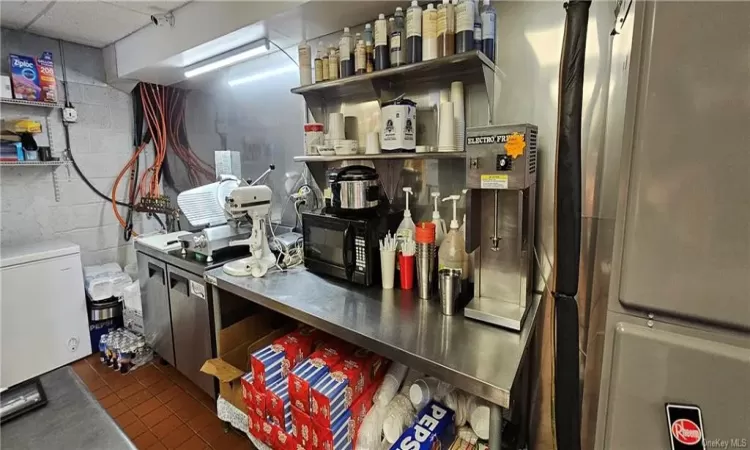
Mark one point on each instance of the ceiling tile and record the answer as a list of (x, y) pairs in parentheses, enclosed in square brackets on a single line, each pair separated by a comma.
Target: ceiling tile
[(149, 7), (91, 23), (15, 14)]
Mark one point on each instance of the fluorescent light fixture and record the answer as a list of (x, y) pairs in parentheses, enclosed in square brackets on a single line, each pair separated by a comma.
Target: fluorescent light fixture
[(263, 75), (227, 59)]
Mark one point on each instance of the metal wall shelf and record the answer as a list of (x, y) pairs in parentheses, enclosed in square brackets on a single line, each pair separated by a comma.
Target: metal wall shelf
[(381, 156), (469, 67), (42, 164), (33, 163), (16, 101)]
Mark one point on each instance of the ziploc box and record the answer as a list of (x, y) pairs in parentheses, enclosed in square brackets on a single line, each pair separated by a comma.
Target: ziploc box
[(278, 406), (311, 370), (302, 428), (334, 392), (340, 436), (24, 77), (433, 429), (269, 366)]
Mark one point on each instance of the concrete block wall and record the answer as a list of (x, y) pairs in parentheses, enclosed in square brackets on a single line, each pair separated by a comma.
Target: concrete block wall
[(101, 142)]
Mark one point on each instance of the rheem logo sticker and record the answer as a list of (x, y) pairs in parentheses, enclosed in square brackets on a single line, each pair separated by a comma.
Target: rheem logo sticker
[(686, 431)]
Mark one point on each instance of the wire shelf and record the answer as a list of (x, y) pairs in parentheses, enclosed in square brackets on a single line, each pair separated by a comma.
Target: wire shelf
[(33, 163), (429, 155), (18, 101)]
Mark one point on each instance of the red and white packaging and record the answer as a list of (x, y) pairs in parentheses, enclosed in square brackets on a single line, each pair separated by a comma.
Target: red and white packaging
[(278, 406), (269, 432), (302, 428), (373, 365), (364, 402), (248, 389), (259, 402), (311, 370), (255, 424), (340, 436), (285, 441), (298, 344)]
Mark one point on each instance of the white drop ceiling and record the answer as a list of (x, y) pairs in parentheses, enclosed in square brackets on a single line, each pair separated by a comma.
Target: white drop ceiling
[(95, 23)]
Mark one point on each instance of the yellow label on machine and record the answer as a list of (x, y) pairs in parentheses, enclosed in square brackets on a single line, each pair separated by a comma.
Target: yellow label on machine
[(494, 181)]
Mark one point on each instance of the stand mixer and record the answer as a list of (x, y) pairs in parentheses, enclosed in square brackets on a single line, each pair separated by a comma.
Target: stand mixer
[(253, 202)]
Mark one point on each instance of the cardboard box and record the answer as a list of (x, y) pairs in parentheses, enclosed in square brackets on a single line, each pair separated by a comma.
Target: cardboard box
[(236, 343), (434, 427), (269, 432), (286, 441), (302, 428), (340, 436), (311, 370), (47, 81), (278, 406), (248, 389), (24, 77)]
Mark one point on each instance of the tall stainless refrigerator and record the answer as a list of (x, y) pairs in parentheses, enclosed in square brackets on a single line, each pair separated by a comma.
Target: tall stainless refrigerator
[(676, 354)]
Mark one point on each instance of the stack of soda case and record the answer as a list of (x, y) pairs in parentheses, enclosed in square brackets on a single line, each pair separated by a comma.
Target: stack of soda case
[(278, 390), (124, 350)]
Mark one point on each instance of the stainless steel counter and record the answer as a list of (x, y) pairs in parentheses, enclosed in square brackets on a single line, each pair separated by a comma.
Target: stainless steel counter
[(479, 358)]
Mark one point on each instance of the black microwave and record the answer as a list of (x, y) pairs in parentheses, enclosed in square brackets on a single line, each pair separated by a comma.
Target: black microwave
[(347, 247)]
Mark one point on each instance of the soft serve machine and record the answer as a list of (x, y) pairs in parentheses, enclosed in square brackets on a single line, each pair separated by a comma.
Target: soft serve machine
[(501, 177)]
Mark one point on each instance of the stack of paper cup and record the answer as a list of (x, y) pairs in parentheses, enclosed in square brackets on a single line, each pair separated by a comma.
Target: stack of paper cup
[(457, 98), (446, 128), (336, 126)]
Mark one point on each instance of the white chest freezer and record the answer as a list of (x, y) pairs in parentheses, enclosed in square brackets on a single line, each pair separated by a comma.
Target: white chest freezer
[(42, 309)]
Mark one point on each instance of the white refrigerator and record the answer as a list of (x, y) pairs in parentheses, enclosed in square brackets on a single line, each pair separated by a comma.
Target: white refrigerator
[(42, 309)]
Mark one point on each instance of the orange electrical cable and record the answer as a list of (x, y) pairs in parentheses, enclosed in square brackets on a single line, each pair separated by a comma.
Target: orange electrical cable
[(117, 182)]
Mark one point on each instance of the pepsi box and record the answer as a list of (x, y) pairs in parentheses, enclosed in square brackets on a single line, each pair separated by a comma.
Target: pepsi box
[(269, 366), (278, 406), (311, 370), (433, 429), (340, 436)]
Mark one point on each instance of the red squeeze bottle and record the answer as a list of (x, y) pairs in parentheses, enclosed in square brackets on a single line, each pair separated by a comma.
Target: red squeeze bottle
[(407, 271)]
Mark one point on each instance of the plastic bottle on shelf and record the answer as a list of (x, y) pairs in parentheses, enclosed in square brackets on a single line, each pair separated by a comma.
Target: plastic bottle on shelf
[(452, 254), (477, 25), (346, 54), (326, 65), (446, 29), (489, 20), (319, 62), (464, 26), (406, 228), (380, 52), (360, 58), (438, 221), (333, 63), (305, 64), (398, 39), (414, 33), (429, 33), (369, 48)]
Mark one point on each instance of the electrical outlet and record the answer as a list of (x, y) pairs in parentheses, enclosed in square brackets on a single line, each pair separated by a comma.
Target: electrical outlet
[(70, 115)]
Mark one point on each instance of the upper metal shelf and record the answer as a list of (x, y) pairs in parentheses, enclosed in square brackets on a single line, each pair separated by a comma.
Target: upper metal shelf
[(380, 156), (468, 67), (18, 101), (57, 163)]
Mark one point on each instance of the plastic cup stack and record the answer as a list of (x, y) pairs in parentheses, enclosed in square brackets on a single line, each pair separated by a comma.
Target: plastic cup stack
[(406, 263), (459, 116), (446, 128), (424, 236)]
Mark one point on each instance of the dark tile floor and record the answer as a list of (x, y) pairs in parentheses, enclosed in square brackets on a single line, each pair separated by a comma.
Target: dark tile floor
[(158, 407)]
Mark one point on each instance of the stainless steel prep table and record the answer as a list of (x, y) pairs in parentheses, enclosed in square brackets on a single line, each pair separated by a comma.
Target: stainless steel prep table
[(481, 359)]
